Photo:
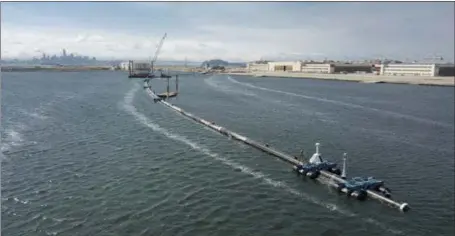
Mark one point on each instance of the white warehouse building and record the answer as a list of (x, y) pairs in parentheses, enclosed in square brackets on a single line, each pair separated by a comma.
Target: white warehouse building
[(257, 66), (137, 65), (299, 66), (318, 68), (409, 69), (285, 66)]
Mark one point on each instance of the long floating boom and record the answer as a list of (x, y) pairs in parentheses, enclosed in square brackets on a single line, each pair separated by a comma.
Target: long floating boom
[(288, 158)]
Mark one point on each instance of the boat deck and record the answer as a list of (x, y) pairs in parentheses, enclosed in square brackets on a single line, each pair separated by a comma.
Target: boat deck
[(166, 94)]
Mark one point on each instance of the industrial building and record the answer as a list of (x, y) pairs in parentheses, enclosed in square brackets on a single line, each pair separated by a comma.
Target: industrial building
[(313, 67), (353, 68), (416, 69), (446, 70), (257, 66), (286, 66), (389, 69), (318, 68), (138, 65)]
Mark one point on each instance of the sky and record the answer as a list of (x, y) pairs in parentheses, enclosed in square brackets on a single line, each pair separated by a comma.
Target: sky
[(232, 31)]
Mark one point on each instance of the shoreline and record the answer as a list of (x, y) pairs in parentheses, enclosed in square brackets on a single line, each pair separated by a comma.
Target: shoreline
[(54, 68), (446, 81)]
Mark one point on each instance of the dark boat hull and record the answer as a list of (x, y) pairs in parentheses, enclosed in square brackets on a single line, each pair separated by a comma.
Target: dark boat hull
[(141, 76)]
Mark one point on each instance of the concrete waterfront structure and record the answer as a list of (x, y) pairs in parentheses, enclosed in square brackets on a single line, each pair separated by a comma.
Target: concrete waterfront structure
[(259, 66), (319, 68), (409, 69), (304, 67), (285, 66), (446, 69), (357, 68), (431, 70), (418, 74), (386, 69), (137, 65)]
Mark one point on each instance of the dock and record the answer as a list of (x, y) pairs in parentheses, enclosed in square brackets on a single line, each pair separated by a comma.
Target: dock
[(281, 155)]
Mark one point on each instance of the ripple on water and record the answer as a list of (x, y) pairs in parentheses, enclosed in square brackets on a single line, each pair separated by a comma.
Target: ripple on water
[(107, 173)]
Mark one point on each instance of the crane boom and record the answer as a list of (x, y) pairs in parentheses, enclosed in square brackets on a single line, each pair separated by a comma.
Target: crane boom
[(157, 51)]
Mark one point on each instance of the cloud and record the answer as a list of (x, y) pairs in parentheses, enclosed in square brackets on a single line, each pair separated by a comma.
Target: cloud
[(236, 31), (33, 42)]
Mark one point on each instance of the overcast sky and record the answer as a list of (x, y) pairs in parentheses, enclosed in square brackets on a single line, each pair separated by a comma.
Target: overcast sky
[(231, 31)]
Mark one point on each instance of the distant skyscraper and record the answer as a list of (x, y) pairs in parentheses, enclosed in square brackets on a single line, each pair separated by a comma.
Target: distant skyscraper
[(64, 52)]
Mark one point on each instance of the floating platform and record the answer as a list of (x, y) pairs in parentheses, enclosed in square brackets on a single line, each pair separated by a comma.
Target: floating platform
[(164, 76), (167, 95), (143, 76), (359, 188), (164, 95)]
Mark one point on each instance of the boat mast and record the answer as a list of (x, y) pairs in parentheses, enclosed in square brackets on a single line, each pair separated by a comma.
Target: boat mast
[(176, 83), (167, 93), (343, 173)]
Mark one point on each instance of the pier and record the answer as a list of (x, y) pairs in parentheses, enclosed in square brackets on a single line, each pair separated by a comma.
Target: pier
[(281, 155)]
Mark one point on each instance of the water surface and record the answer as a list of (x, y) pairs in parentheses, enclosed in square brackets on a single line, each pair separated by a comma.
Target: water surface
[(89, 153)]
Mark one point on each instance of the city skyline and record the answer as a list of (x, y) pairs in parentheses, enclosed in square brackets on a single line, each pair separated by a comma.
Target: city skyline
[(63, 54), (75, 58), (203, 31), (64, 58)]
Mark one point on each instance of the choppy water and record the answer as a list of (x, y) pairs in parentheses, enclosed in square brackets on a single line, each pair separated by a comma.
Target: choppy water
[(89, 153)]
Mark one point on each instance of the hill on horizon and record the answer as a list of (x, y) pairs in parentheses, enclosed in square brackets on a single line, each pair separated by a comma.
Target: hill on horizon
[(219, 62)]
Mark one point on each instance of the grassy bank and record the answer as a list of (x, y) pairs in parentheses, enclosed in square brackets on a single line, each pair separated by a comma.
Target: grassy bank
[(362, 78)]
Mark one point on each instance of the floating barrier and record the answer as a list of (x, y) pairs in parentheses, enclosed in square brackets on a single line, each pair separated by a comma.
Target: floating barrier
[(357, 187)]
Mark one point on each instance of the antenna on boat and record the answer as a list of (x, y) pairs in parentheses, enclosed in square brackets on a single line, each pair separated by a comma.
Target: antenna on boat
[(167, 93), (302, 156), (343, 173), (316, 158), (176, 86), (177, 83)]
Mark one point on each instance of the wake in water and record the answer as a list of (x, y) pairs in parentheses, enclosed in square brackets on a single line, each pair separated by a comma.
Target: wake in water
[(12, 138), (129, 107), (228, 89), (37, 114), (381, 134), (391, 113)]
